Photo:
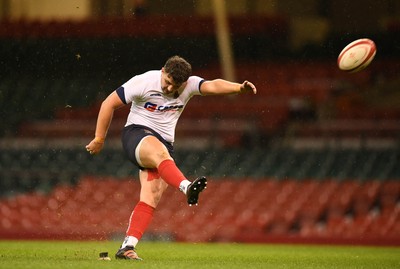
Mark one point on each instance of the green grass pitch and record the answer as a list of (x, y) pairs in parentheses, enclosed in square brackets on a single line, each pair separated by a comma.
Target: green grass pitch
[(84, 254)]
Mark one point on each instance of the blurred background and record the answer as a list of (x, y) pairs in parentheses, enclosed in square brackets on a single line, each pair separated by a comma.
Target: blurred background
[(313, 157)]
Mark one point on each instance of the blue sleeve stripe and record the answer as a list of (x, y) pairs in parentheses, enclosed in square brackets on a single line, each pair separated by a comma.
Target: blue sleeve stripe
[(121, 93), (201, 82)]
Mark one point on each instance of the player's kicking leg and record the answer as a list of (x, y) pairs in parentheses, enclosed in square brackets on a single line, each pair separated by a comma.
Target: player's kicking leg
[(153, 153)]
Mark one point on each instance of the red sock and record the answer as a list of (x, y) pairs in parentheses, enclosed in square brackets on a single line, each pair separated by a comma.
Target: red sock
[(139, 220), (170, 173)]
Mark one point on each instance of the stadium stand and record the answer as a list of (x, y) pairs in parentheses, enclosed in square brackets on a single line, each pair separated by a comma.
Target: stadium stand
[(43, 168), (314, 211), (311, 159)]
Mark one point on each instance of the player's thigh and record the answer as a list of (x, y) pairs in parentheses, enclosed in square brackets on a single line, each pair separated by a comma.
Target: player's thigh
[(152, 187), (152, 152)]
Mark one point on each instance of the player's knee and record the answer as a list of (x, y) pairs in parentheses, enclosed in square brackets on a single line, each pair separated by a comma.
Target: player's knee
[(163, 155), (153, 152)]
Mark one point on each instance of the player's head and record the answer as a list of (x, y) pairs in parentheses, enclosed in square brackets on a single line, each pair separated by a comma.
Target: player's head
[(178, 69)]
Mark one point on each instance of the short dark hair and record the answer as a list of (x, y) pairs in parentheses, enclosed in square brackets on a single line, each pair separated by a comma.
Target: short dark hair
[(178, 68)]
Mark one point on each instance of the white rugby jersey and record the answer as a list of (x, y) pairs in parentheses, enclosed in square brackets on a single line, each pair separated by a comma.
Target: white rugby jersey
[(151, 107)]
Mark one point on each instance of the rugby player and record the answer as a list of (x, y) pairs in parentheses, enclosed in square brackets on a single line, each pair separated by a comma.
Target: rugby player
[(157, 99)]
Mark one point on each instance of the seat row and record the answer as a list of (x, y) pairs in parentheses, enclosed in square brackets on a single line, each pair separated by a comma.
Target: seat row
[(143, 26), (41, 169), (30, 169), (229, 209)]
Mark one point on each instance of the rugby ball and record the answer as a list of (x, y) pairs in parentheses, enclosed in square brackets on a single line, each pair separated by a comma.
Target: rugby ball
[(357, 55)]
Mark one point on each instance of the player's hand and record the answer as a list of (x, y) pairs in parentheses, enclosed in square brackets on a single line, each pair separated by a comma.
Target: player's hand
[(247, 86), (95, 146)]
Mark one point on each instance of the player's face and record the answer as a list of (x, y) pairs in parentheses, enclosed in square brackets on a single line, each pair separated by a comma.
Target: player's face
[(168, 85)]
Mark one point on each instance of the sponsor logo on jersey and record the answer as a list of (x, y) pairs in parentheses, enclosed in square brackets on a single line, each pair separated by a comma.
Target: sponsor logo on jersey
[(153, 107)]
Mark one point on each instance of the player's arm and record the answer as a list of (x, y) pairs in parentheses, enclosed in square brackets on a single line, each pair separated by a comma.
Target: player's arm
[(221, 86), (111, 103)]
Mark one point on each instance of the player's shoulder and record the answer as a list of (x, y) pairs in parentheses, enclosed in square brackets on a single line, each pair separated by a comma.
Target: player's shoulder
[(194, 77), (141, 81), (147, 77), (194, 80), (193, 84), (150, 74)]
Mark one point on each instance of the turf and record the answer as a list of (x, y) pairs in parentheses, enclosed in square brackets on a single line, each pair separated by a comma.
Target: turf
[(77, 254)]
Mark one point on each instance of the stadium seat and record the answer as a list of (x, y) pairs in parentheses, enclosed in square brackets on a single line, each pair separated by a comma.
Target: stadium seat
[(309, 208)]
